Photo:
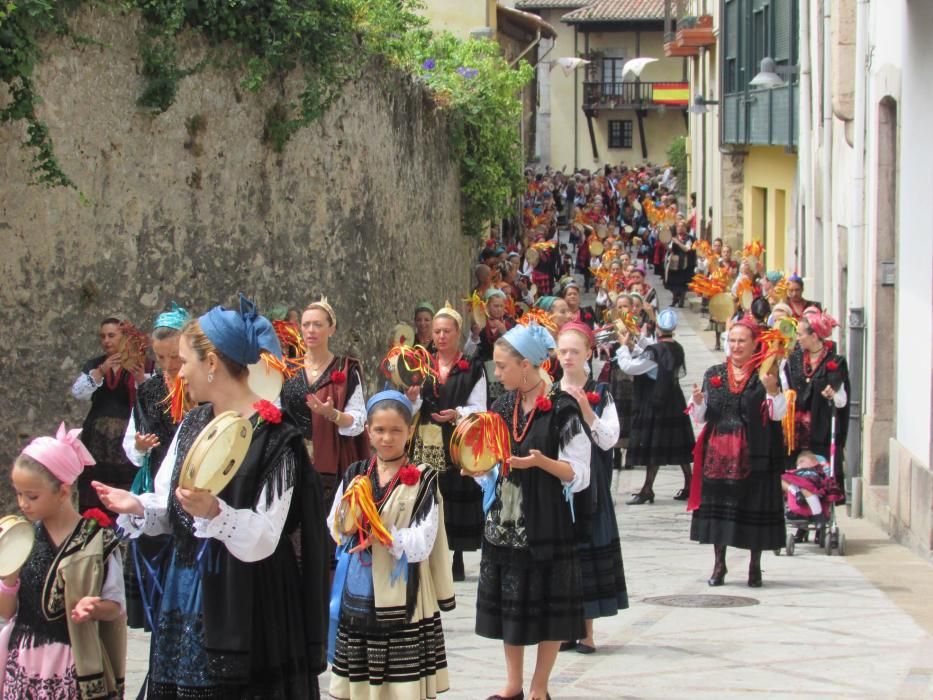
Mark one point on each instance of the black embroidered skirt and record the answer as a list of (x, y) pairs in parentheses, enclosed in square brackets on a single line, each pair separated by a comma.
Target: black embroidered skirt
[(522, 601), (660, 435), (748, 516), (463, 510)]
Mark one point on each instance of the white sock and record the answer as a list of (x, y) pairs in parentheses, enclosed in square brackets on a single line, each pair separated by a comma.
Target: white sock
[(815, 506)]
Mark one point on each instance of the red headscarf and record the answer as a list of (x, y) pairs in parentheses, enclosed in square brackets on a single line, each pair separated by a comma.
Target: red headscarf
[(751, 323), (820, 322), (579, 328)]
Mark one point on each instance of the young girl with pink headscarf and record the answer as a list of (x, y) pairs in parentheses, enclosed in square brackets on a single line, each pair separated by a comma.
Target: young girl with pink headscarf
[(67, 635)]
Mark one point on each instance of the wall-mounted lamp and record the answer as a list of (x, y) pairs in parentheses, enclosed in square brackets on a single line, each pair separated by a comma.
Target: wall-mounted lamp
[(701, 105), (769, 75)]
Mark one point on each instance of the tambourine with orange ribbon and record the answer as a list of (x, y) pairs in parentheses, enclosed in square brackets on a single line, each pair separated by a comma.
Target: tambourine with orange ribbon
[(358, 515), (406, 366), (480, 442)]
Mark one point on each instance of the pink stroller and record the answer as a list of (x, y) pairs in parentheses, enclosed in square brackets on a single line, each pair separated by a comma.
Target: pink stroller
[(811, 494)]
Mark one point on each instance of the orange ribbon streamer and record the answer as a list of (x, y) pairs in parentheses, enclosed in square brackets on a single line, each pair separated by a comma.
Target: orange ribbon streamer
[(358, 498)]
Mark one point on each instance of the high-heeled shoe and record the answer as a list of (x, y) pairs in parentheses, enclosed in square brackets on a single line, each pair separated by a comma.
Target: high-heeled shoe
[(682, 495), (719, 576), (754, 578), (639, 498)]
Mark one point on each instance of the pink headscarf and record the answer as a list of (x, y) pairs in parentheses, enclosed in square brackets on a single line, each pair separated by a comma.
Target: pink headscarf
[(581, 328), (64, 455), (820, 322), (751, 324)]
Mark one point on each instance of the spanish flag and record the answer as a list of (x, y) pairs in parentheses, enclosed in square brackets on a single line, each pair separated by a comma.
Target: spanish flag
[(672, 94)]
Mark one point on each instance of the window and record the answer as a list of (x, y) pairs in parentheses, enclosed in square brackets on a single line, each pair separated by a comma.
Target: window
[(620, 133), (612, 75)]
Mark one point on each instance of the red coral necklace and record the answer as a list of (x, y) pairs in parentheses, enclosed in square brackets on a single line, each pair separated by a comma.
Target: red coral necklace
[(736, 386), (391, 484), (531, 416), (808, 366), (112, 378)]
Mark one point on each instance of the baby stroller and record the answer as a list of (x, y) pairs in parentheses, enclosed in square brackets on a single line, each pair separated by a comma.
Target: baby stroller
[(809, 489)]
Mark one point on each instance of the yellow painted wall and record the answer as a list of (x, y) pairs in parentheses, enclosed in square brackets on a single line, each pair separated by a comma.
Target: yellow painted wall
[(769, 178), (660, 130), (460, 16), (562, 107)]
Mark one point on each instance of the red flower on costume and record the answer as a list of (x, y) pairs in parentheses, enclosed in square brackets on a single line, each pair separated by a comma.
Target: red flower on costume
[(338, 377), (716, 381), (592, 397), (543, 404), (268, 412), (463, 365), (832, 365), (587, 316), (409, 475), (100, 516)]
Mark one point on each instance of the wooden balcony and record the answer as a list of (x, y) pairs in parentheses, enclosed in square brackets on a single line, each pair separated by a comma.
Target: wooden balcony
[(634, 95), (696, 33)]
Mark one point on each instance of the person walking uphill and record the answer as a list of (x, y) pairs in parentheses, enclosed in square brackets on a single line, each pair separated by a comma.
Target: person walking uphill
[(661, 432)]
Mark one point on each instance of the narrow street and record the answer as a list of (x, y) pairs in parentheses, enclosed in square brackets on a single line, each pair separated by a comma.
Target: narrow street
[(828, 626)]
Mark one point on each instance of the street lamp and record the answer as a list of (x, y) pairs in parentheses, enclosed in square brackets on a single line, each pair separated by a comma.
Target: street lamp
[(769, 76), (700, 105)]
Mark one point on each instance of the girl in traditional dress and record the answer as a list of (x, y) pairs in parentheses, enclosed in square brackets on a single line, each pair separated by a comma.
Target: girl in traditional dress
[(111, 389), (244, 605), (661, 432), (736, 495), (424, 333), (66, 639), (326, 400), (530, 587), (604, 590), (621, 386), (457, 389), (387, 598), (161, 402), (820, 376)]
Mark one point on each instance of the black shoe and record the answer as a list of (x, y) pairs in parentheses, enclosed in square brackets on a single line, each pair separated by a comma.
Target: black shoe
[(568, 646), (520, 695), (719, 576), (457, 569), (754, 578), (638, 499), (682, 495), (585, 648)]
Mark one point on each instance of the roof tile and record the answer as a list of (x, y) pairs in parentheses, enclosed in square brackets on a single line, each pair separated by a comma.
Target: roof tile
[(616, 11)]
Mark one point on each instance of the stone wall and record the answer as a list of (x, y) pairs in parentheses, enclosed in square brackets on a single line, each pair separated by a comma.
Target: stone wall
[(191, 205)]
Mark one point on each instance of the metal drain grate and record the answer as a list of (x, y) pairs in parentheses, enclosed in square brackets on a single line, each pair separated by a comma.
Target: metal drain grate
[(702, 601)]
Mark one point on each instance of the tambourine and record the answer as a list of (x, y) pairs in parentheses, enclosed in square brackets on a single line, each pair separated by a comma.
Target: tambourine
[(629, 230), (265, 381), (406, 366), (16, 538), (216, 453), (665, 235), (596, 248), (606, 335), (479, 315), (402, 334), (479, 442), (721, 307), (532, 256), (746, 299), (132, 347), (602, 231)]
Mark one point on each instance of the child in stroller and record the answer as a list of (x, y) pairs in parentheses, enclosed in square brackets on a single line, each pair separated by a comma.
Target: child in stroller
[(810, 490)]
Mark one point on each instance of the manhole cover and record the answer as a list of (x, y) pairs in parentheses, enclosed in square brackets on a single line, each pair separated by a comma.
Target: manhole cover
[(702, 601)]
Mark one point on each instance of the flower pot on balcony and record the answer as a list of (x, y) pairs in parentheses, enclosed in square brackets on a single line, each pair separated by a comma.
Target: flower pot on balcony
[(673, 49)]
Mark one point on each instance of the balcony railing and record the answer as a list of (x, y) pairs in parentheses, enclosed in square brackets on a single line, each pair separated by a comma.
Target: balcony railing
[(634, 95)]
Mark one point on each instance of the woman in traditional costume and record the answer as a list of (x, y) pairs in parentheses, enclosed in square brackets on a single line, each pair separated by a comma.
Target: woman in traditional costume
[(820, 378), (391, 584), (681, 260), (111, 389), (795, 299), (736, 496), (161, 403), (530, 587), (244, 604), (424, 318), (621, 385), (661, 431), (66, 638), (326, 400), (604, 590), (582, 314), (480, 346), (455, 389)]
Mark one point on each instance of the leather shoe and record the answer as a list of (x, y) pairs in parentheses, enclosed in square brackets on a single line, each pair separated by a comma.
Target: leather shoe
[(520, 695), (682, 495), (754, 578)]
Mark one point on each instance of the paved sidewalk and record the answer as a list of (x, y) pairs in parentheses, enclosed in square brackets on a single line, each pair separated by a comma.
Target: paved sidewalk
[(831, 627)]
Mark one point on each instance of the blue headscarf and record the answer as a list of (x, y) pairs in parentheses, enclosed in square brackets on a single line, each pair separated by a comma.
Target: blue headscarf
[(775, 276), (390, 395), (176, 318), (532, 342), (240, 335), (545, 303)]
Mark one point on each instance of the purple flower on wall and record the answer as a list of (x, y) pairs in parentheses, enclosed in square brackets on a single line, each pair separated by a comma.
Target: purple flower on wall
[(467, 72), (429, 64)]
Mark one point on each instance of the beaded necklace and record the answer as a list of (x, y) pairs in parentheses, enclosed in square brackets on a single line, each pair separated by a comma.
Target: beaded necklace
[(531, 416), (808, 367), (736, 386), (391, 484), (112, 378)]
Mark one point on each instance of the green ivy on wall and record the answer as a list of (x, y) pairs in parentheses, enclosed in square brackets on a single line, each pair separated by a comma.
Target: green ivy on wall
[(329, 42)]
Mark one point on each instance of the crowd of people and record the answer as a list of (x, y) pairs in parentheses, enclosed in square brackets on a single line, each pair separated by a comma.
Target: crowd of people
[(341, 535)]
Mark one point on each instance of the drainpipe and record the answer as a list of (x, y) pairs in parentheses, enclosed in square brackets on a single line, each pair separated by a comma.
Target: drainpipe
[(857, 267), (535, 42), (828, 273), (576, 103), (804, 156)]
